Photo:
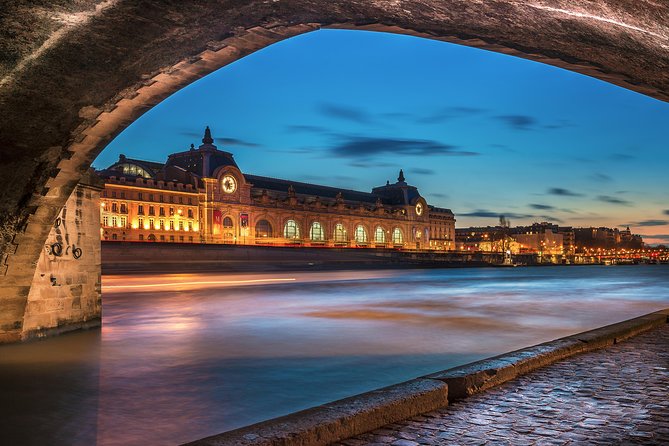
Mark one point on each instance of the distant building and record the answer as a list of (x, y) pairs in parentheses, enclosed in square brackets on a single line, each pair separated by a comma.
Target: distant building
[(202, 196), (606, 238)]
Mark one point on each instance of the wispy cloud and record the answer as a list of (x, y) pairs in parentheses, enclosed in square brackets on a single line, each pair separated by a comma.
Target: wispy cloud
[(666, 212), (561, 124), (646, 223), (622, 157), (422, 171), (346, 113), (236, 142), (541, 206), (660, 237), (482, 213), (600, 177), (563, 192), (365, 147), (613, 200), (438, 195), (448, 113), (518, 122), (303, 128)]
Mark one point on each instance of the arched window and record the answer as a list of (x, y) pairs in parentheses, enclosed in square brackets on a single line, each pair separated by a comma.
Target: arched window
[(379, 235), (360, 234), (291, 230), (316, 232), (397, 236), (339, 233), (227, 222), (263, 229)]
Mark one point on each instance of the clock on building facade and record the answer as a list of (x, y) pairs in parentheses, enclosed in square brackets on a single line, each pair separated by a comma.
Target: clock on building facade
[(229, 184)]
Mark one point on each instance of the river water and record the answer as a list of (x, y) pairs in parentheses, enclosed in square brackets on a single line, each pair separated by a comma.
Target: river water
[(180, 357)]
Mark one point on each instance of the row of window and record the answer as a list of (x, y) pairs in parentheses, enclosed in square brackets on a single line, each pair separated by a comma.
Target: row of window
[(291, 231), (121, 222), (123, 209), (149, 197)]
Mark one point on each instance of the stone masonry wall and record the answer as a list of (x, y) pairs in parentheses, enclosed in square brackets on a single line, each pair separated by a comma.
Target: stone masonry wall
[(65, 293)]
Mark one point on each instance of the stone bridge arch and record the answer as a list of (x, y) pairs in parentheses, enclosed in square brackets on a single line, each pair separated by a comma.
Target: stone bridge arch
[(75, 74)]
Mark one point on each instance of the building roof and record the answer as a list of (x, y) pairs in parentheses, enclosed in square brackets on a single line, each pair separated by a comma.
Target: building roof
[(279, 185)]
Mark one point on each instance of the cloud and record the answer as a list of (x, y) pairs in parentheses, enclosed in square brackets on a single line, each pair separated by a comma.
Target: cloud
[(447, 113), (561, 124), (666, 212), (302, 128), (364, 147), (482, 213), (518, 122), (563, 192), (421, 171), (600, 177), (438, 195), (541, 206), (550, 218), (346, 113), (235, 142), (613, 200), (661, 237), (648, 223)]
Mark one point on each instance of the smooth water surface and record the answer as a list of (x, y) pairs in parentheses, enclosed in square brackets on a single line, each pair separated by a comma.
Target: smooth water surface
[(180, 357)]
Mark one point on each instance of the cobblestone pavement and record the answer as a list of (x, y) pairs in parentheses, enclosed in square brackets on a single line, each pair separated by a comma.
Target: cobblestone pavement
[(615, 396)]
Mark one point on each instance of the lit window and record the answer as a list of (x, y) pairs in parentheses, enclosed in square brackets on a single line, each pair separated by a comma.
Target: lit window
[(190, 225), (105, 221), (339, 233), (360, 234), (291, 230), (227, 222), (263, 229), (397, 236), (181, 226), (152, 224), (171, 225), (123, 222), (140, 223), (162, 224), (113, 221), (316, 232), (379, 235)]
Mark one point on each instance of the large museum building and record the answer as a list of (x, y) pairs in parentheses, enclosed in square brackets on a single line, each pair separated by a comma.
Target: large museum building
[(201, 196)]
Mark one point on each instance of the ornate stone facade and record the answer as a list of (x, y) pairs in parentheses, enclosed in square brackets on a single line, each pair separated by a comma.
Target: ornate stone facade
[(201, 196)]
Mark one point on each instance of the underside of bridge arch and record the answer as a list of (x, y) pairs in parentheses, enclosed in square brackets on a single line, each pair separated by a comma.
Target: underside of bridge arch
[(75, 73)]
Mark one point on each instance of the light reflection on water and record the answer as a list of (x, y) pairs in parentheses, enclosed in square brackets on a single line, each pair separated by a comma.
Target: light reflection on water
[(200, 354)]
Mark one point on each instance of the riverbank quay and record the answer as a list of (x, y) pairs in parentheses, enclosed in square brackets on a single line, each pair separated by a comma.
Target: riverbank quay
[(591, 388), (120, 257)]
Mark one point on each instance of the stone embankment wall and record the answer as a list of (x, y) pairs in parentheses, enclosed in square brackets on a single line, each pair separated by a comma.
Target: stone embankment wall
[(65, 293), (129, 257)]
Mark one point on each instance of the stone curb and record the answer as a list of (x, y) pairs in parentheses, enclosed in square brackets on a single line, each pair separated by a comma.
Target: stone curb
[(341, 419), (478, 376), (368, 411)]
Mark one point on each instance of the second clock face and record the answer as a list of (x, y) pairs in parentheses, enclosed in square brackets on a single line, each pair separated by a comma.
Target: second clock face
[(229, 184), (419, 209)]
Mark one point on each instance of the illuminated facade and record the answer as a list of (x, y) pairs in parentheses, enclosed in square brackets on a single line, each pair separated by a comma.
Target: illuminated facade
[(201, 196)]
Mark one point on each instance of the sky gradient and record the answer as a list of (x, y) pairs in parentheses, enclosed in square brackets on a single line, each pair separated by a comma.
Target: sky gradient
[(478, 132)]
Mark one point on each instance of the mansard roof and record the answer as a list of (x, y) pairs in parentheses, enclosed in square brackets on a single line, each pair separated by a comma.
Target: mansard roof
[(279, 185)]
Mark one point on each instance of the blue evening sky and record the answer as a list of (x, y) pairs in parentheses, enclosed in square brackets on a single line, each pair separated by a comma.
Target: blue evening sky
[(478, 132)]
